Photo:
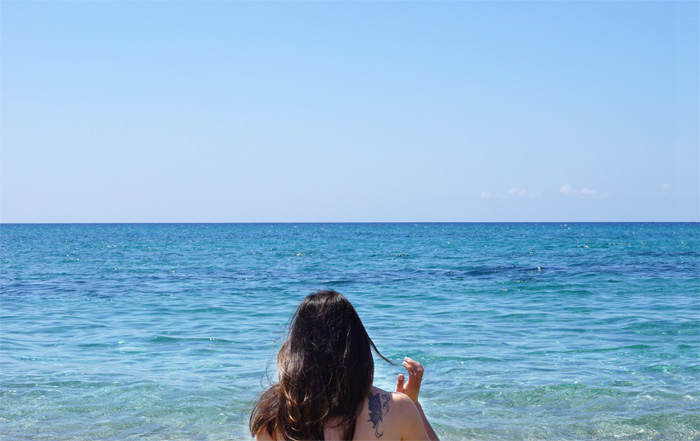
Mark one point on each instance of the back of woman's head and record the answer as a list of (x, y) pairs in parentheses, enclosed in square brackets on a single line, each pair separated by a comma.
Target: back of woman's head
[(325, 370)]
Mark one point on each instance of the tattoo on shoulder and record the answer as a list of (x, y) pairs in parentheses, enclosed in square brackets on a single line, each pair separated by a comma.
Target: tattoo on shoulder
[(378, 407)]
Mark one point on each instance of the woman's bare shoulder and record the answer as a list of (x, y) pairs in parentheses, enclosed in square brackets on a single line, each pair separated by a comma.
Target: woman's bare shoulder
[(385, 416), (396, 398)]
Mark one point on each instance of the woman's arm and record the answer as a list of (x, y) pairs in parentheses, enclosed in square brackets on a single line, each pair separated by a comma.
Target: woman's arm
[(426, 425), (412, 388)]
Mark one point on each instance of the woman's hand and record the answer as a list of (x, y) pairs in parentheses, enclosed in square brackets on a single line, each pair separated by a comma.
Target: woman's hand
[(412, 387)]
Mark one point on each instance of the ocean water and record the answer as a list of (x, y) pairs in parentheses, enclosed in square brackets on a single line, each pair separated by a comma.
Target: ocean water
[(526, 331)]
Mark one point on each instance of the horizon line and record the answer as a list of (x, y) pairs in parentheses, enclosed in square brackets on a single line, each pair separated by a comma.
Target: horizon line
[(348, 222)]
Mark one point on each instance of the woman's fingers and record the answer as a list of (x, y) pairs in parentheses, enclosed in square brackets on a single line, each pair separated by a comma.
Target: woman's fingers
[(399, 383), (409, 366), (418, 369), (412, 385), (413, 367), (416, 373)]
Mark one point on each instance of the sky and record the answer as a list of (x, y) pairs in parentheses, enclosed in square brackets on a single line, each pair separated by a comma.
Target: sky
[(349, 111)]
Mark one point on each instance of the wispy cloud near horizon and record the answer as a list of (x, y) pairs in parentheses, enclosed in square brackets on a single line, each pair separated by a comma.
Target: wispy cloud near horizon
[(513, 192), (568, 190)]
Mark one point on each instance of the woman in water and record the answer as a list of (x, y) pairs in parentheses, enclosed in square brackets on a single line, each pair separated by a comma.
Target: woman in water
[(325, 392)]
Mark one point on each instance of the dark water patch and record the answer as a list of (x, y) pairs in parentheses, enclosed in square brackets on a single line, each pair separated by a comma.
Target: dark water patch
[(664, 327), (608, 349)]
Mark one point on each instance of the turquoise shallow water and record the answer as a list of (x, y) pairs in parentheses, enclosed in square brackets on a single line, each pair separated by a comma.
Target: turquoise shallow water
[(526, 331)]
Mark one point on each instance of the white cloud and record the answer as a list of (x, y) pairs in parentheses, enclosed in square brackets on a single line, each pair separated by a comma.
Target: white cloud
[(513, 192), (665, 187), (566, 189)]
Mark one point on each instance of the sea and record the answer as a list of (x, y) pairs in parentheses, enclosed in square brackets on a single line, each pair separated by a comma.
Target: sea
[(527, 331)]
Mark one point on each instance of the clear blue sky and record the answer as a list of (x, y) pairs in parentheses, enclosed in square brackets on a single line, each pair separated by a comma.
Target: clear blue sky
[(349, 111)]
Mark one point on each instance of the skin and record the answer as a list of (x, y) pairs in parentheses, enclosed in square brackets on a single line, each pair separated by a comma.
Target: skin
[(391, 416), (412, 388)]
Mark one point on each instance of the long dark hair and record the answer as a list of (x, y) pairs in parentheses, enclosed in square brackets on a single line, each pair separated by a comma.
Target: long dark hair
[(325, 370)]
